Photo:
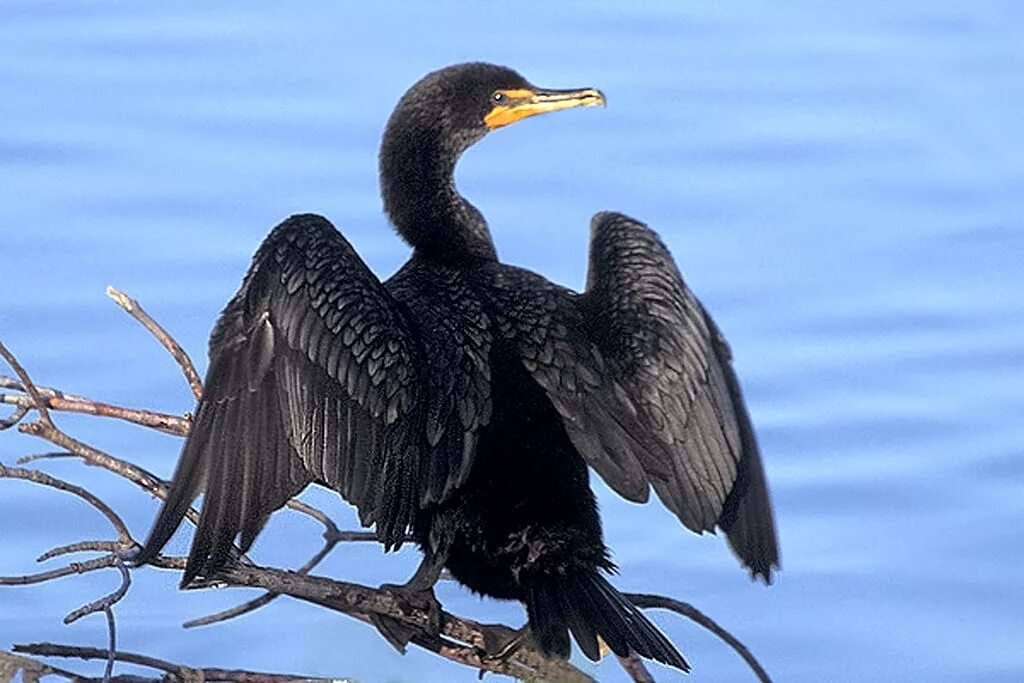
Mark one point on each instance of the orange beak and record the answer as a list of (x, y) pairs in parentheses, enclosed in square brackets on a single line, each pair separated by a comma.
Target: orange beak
[(524, 102)]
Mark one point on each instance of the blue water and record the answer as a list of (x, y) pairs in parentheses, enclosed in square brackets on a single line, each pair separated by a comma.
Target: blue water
[(843, 187)]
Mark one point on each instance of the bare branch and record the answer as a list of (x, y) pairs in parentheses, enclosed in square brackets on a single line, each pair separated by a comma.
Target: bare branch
[(170, 424), (351, 536), (645, 601), (634, 666), (31, 670), (331, 538), (46, 480), (107, 601), (182, 672), (184, 362), (352, 598), (73, 568), (44, 391), (133, 473), (58, 455), (20, 411), (108, 670), (81, 546), (26, 381)]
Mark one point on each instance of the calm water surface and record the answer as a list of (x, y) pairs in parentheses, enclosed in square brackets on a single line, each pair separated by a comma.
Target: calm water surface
[(844, 188)]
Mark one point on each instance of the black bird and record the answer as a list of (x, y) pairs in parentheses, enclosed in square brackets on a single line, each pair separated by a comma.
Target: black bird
[(464, 399)]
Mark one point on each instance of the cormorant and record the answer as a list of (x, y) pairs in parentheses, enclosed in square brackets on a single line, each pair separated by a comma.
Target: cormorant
[(464, 399)]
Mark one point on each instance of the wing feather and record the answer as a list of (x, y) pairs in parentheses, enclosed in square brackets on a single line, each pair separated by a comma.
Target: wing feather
[(660, 344), (313, 377), (549, 333)]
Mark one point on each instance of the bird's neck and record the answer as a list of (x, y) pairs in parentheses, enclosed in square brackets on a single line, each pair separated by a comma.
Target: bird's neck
[(418, 187)]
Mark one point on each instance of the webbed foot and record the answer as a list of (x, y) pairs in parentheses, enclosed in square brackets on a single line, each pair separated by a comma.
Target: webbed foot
[(501, 642), (399, 632), (418, 593)]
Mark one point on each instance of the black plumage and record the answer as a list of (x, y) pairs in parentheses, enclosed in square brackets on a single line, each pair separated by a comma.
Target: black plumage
[(464, 399)]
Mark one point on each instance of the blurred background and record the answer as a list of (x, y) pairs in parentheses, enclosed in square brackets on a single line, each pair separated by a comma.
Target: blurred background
[(843, 187)]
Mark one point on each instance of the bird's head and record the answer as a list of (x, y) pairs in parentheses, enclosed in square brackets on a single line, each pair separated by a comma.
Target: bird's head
[(464, 102), (436, 120)]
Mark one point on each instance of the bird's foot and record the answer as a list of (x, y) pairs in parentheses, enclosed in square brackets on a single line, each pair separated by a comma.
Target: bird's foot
[(501, 642), (399, 632)]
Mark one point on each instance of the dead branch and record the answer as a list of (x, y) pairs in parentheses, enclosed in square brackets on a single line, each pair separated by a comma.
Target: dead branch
[(54, 400), (26, 381), (107, 601), (182, 673), (132, 307), (634, 666), (460, 640), (30, 669), (645, 601), (46, 480)]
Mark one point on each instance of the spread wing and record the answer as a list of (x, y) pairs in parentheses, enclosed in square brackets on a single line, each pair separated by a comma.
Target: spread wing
[(313, 377), (544, 325), (674, 363)]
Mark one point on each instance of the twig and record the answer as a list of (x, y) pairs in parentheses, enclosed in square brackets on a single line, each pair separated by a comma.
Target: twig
[(351, 536), (32, 670), (108, 670), (331, 538), (352, 598), (107, 601), (645, 601), (58, 455), (73, 568), (20, 411), (81, 546), (634, 666), (132, 307), (182, 672), (26, 381), (130, 471), (170, 424), (46, 480), (7, 382)]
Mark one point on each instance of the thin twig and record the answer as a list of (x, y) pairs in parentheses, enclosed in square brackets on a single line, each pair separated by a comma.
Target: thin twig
[(184, 362), (634, 666), (108, 670), (80, 547), (107, 601), (46, 480), (352, 598), (169, 424), (20, 411), (182, 672), (58, 455), (7, 382), (352, 536), (26, 381), (645, 601), (73, 568), (130, 471), (31, 669), (331, 539)]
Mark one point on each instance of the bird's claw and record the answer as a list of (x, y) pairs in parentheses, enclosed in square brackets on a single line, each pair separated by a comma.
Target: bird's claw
[(398, 632), (501, 642), (422, 599)]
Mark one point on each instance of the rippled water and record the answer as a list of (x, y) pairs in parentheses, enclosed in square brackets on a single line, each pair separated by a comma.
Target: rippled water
[(844, 188)]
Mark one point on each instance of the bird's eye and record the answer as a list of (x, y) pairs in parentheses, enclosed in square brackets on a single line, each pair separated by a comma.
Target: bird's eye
[(498, 97)]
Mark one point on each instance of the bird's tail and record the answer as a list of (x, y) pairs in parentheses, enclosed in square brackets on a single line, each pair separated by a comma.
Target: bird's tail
[(588, 606)]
